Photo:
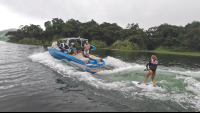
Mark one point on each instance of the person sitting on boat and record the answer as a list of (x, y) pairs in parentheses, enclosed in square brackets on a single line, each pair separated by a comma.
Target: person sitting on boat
[(74, 53), (86, 50), (73, 49), (80, 53), (54, 44)]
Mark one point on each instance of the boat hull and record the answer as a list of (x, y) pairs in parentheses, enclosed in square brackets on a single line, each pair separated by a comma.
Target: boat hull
[(89, 65)]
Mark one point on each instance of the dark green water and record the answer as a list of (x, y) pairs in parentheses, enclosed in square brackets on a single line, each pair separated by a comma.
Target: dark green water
[(32, 80)]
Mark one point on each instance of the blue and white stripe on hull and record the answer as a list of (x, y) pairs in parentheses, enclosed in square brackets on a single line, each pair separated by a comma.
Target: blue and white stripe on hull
[(92, 65)]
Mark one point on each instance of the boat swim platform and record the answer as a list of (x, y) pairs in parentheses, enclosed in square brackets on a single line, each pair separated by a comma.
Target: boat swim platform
[(87, 60), (97, 70)]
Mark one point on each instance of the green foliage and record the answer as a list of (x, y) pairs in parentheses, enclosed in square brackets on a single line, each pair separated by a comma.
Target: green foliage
[(165, 36), (124, 45), (98, 44), (176, 48), (56, 37), (30, 41)]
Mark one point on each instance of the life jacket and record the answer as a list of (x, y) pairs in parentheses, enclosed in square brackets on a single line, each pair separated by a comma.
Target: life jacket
[(151, 65)]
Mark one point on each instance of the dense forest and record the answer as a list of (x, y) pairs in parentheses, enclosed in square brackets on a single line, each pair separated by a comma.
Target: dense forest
[(106, 35)]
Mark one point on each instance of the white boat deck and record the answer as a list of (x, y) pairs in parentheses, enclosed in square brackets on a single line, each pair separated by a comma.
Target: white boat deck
[(94, 57), (84, 59), (81, 58)]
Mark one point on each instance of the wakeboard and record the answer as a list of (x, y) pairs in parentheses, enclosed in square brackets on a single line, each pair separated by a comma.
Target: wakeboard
[(146, 84)]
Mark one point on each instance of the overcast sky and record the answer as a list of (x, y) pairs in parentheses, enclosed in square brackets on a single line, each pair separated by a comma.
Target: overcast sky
[(147, 13)]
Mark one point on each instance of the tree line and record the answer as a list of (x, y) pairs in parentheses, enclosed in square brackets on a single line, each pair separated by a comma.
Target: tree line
[(106, 35)]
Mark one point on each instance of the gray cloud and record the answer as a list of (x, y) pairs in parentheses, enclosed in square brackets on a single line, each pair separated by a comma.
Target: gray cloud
[(147, 13)]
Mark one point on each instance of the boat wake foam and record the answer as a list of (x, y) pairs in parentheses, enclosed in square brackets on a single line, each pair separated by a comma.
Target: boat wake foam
[(176, 85)]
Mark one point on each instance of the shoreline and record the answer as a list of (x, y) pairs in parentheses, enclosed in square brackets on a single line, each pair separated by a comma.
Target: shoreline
[(152, 51), (161, 51)]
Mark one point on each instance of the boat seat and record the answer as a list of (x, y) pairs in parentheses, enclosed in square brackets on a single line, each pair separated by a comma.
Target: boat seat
[(91, 61), (86, 61), (82, 58), (99, 60), (95, 65)]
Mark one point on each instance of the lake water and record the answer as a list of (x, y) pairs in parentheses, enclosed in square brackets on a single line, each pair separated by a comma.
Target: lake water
[(32, 80)]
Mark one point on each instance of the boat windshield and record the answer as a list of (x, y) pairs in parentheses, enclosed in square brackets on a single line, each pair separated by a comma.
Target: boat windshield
[(69, 40)]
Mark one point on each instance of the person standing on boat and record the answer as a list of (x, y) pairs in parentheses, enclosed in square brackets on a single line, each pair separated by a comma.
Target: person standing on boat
[(86, 50), (152, 71), (54, 44)]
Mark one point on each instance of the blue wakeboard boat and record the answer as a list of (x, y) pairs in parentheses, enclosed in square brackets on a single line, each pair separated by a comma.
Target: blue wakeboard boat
[(92, 64)]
